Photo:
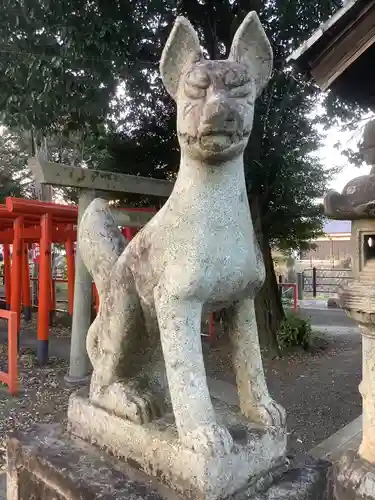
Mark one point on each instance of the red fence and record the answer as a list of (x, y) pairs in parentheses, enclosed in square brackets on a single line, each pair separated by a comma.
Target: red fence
[(287, 287), (10, 378)]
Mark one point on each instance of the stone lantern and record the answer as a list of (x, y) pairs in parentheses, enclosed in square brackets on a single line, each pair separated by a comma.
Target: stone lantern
[(357, 203)]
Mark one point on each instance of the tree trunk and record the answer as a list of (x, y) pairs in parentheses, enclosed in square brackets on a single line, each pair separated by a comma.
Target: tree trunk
[(268, 306)]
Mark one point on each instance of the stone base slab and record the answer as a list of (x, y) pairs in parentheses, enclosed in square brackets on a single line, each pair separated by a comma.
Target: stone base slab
[(311, 480), (50, 464), (155, 449), (354, 478)]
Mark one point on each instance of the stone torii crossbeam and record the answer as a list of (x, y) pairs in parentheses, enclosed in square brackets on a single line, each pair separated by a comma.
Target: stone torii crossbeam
[(91, 183)]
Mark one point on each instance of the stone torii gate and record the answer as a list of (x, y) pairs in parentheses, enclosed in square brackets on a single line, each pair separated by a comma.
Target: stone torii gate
[(91, 183)]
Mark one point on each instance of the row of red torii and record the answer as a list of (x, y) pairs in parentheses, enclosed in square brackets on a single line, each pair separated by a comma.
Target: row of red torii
[(24, 223)]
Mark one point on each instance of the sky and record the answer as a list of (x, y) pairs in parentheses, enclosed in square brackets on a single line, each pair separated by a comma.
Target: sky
[(332, 157)]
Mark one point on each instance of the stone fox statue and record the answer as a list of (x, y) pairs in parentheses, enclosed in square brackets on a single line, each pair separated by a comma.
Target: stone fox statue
[(198, 252)]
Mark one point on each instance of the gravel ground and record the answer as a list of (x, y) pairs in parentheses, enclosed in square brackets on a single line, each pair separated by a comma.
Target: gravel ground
[(319, 389), (43, 394)]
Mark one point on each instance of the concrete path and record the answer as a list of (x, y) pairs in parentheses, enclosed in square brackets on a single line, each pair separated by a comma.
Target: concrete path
[(328, 317), (312, 304), (347, 438)]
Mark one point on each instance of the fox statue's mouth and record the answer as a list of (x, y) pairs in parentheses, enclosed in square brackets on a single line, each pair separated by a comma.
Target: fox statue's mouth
[(215, 141)]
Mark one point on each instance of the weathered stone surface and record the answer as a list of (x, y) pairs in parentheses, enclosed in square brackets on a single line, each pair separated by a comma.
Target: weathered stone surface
[(79, 362), (312, 481), (357, 200), (47, 464), (358, 300), (57, 174), (50, 464), (347, 438), (354, 478), (367, 390), (357, 297), (156, 449), (196, 253), (133, 218)]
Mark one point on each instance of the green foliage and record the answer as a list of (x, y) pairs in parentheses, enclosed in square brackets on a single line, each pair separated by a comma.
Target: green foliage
[(294, 331), (63, 63), (57, 71), (283, 175), (8, 187), (13, 157), (287, 300), (61, 66)]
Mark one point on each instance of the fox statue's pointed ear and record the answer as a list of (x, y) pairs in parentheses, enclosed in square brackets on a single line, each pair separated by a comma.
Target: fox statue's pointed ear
[(181, 50), (252, 48)]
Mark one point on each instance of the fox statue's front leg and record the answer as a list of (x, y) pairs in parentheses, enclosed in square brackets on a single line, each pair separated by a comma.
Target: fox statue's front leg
[(180, 331), (255, 401)]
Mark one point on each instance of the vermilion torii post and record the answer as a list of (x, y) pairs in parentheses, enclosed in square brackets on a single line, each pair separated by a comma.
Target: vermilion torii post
[(91, 183)]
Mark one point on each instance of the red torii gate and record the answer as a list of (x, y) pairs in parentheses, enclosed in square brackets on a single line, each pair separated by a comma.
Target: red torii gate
[(24, 222)]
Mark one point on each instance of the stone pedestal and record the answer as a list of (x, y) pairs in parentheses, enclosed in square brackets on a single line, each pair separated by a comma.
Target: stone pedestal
[(367, 389), (156, 449), (358, 300), (354, 478), (50, 464)]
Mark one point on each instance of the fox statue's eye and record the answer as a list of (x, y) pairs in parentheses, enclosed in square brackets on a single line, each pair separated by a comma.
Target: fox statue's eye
[(196, 83), (194, 92), (242, 91), (235, 78)]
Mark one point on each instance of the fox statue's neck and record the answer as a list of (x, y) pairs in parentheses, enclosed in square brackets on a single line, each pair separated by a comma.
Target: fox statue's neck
[(197, 175)]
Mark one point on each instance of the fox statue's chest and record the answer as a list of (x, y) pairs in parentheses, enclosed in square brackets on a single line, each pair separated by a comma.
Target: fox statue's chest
[(213, 253), (202, 243)]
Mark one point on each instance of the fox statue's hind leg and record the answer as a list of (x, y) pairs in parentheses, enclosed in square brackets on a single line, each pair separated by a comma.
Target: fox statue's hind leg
[(123, 379)]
